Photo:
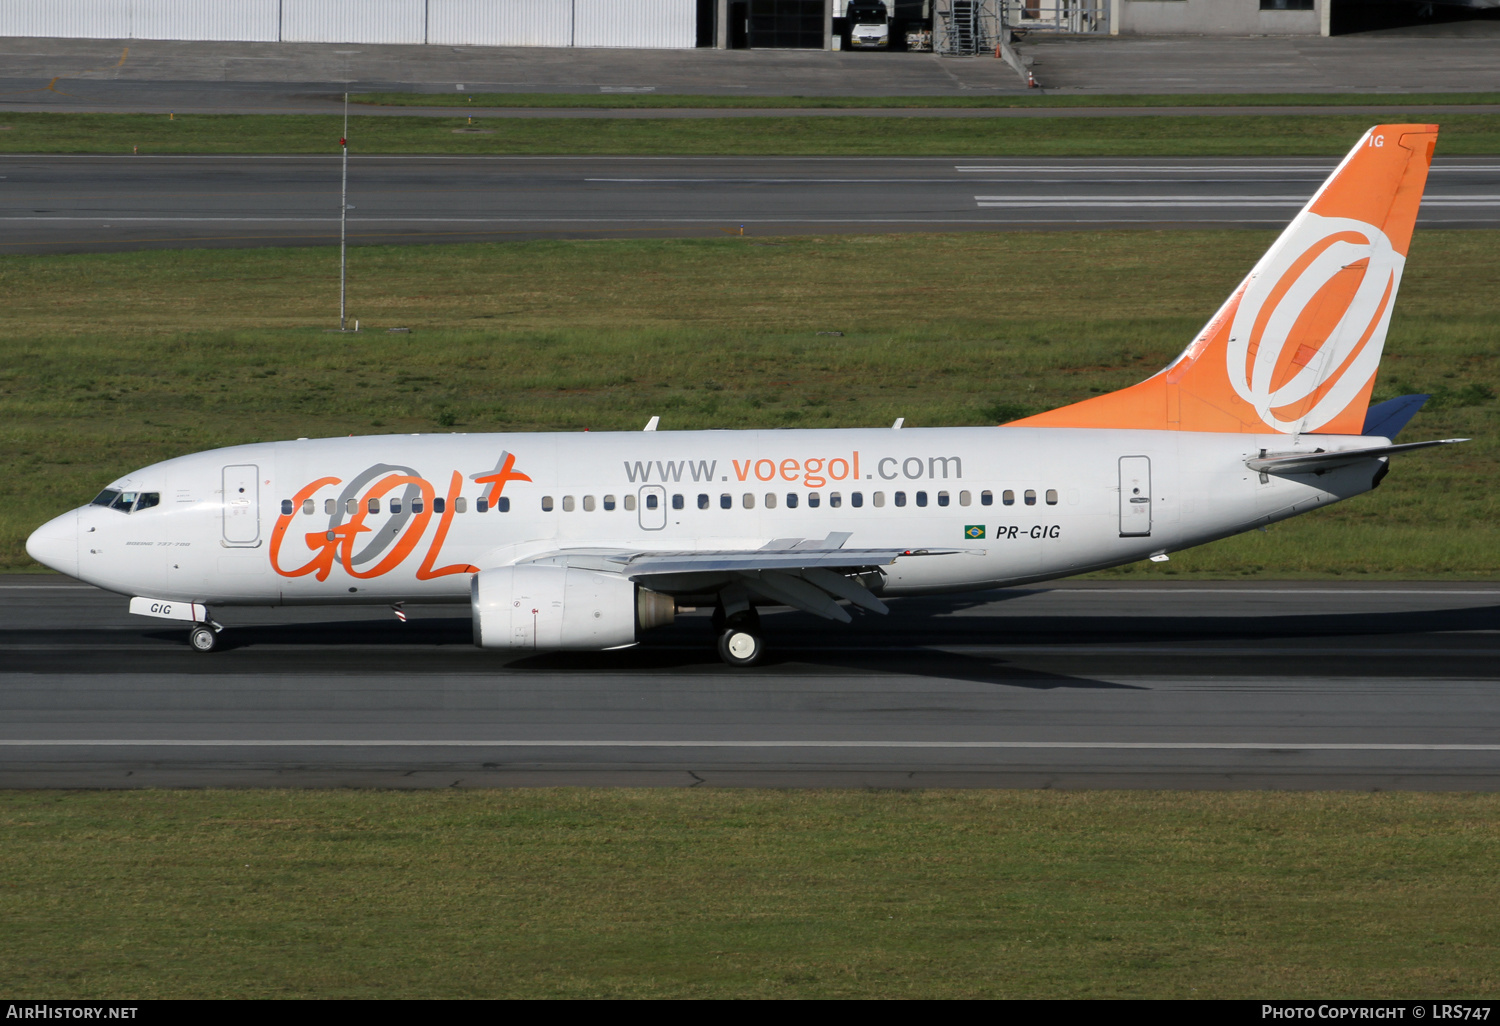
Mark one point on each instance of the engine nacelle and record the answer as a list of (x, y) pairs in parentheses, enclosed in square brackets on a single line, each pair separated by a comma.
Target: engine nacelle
[(559, 607)]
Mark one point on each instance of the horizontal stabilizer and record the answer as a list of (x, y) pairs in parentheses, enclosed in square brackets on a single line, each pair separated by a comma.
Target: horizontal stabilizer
[(1314, 462), (1385, 420)]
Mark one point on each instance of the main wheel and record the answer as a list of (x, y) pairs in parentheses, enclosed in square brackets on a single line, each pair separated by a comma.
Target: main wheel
[(203, 638), (740, 646)]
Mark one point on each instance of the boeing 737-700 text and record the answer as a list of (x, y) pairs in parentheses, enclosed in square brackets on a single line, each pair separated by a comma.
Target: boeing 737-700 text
[(584, 541)]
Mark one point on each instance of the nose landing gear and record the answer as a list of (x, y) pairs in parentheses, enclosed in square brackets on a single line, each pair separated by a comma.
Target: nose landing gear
[(204, 637)]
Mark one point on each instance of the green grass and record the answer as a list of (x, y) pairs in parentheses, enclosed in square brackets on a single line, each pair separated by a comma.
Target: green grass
[(646, 101), (109, 362), (1156, 135), (692, 893)]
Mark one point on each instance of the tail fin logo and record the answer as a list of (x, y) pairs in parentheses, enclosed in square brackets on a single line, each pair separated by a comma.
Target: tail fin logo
[(1296, 346), (1311, 324)]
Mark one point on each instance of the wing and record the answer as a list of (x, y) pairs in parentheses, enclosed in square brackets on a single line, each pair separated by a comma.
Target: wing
[(807, 574)]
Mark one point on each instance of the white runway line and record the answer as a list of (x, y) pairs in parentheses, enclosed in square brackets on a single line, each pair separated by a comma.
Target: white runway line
[(1252, 746), (1021, 203)]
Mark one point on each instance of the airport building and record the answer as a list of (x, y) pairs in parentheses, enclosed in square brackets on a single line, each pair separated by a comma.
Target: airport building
[(953, 26)]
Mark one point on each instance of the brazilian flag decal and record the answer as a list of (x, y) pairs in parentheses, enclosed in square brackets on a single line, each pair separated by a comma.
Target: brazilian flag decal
[(974, 531)]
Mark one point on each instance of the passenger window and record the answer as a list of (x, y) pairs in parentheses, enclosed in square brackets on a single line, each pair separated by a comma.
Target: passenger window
[(502, 504), (879, 499), (921, 498), (813, 498), (287, 507), (438, 505), (330, 506), (942, 498), (901, 498), (373, 505), (1031, 496), (395, 506), (703, 501), (856, 499), (677, 501), (1008, 497), (588, 504), (569, 503), (1052, 496), (726, 501), (481, 505), (609, 502), (630, 503), (791, 500), (309, 507), (964, 498), (147, 500), (460, 505), (986, 498), (835, 500), (351, 506), (416, 504), (770, 500), (652, 501), (748, 501), (546, 504)]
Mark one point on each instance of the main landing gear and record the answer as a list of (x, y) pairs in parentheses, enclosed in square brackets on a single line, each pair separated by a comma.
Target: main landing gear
[(204, 637), (739, 635)]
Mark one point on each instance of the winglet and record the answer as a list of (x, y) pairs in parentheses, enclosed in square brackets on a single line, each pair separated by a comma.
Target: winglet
[(1295, 347)]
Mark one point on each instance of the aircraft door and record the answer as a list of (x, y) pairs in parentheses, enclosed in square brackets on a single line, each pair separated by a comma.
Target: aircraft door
[(1135, 496), (653, 508), (242, 504)]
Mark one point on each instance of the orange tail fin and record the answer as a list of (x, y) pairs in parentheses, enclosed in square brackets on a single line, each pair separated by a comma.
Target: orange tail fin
[(1295, 347)]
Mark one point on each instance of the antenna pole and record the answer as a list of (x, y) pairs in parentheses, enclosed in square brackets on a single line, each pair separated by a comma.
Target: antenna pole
[(344, 218)]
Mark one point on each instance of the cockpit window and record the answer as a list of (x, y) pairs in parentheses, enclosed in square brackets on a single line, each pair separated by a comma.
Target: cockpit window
[(127, 502)]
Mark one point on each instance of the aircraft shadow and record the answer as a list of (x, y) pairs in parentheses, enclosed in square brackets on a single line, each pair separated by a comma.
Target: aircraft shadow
[(908, 642)]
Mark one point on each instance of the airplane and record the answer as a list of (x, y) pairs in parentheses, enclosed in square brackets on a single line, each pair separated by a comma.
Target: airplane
[(585, 541)]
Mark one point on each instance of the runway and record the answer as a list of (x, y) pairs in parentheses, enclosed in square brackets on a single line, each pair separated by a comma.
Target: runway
[(1081, 684), (79, 203)]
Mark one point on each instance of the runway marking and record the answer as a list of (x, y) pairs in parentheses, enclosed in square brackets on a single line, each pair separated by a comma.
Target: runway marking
[(1234, 202), (1191, 169), (1253, 746)]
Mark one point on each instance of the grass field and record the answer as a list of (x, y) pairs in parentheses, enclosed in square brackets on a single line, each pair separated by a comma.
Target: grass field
[(688, 893), (110, 362), (1153, 135), (646, 101)]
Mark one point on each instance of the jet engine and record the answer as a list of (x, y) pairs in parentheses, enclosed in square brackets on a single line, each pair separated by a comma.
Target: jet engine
[(559, 607)]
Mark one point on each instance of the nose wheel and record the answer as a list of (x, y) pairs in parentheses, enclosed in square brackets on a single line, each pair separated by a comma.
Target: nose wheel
[(204, 637)]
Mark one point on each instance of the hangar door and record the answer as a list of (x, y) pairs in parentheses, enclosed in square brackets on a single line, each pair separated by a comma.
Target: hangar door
[(785, 24), (1135, 496)]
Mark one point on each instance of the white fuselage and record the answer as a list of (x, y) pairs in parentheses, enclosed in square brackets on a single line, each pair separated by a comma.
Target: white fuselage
[(1007, 505)]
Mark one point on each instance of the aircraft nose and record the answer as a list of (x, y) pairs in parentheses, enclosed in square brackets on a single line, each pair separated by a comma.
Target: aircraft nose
[(55, 544)]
